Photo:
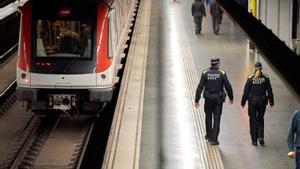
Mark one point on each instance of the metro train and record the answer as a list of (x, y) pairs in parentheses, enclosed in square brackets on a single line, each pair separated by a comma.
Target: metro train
[(70, 52)]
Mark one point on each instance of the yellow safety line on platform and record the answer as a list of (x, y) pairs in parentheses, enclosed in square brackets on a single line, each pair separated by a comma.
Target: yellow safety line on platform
[(123, 149), (210, 155)]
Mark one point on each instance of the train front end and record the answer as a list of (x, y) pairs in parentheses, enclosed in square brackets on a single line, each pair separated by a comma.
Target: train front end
[(63, 64)]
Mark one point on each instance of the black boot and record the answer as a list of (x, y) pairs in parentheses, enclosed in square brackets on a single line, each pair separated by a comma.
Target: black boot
[(208, 138), (214, 143), (254, 143), (261, 141)]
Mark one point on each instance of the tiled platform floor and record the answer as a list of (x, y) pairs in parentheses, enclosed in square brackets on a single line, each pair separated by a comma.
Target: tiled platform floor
[(169, 136)]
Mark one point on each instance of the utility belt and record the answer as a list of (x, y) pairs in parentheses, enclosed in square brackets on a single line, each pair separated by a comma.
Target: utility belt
[(215, 95), (198, 14), (263, 98)]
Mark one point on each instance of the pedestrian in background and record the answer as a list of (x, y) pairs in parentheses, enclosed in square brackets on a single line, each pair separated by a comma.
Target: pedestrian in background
[(213, 81), (258, 91), (198, 11), (208, 2), (293, 138), (216, 14)]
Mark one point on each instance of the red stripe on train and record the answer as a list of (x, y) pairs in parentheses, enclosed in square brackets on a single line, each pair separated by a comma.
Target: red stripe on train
[(103, 62), (25, 38)]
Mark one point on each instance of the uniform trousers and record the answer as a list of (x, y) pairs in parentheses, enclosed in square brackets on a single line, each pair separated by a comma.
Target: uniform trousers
[(213, 111), (216, 21), (256, 112), (198, 23)]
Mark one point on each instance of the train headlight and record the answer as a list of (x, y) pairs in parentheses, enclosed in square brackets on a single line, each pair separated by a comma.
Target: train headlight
[(73, 101), (50, 101), (102, 79), (25, 78)]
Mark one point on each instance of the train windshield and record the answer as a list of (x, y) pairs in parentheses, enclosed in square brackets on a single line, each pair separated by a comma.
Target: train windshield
[(64, 38)]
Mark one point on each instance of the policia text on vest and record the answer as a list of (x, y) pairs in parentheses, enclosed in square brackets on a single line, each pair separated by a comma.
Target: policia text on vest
[(258, 92), (213, 81)]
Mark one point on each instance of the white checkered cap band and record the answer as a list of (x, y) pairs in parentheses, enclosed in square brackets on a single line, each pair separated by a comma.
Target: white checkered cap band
[(258, 65), (215, 61)]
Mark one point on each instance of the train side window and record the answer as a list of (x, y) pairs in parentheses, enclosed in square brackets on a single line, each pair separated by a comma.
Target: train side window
[(114, 29), (113, 35), (116, 19), (110, 38)]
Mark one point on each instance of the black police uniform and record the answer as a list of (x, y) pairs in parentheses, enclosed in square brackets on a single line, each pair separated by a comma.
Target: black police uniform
[(198, 11), (257, 92), (216, 13), (213, 81)]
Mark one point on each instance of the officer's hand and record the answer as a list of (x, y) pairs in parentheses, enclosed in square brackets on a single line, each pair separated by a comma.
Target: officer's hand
[(230, 101), (291, 154), (197, 105)]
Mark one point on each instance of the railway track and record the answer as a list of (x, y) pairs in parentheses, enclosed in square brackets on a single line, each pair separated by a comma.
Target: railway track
[(9, 36), (3, 3), (50, 143), (8, 83), (8, 54), (8, 97)]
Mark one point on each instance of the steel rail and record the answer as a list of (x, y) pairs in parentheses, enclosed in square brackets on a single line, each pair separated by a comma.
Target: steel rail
[(83, 149), (10, 50), (21, 145)]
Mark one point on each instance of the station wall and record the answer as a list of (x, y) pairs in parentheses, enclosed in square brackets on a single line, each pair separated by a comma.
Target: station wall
[(277, 16)]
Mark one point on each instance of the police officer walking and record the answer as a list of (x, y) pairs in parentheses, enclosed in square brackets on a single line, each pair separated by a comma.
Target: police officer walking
[(258, 92), (198, 11), (216, 14), (213, 81)]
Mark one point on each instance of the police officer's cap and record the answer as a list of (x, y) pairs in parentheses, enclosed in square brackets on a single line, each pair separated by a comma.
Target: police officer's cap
[(258, 65), (215, 61)]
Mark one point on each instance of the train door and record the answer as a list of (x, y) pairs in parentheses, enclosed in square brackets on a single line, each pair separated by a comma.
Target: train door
[(113, 35)]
